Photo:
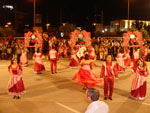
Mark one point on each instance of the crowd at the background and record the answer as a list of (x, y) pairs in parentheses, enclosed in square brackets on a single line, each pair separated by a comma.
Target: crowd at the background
[(102, 46)]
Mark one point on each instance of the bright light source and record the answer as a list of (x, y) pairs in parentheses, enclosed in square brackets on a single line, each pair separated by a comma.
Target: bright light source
[(8, 23), (47, 25), (103, 31), (62, 34), (116, 24), (27, 25), (126, 24), (8, 7), (94, 24), (63, 23), (106, 29)]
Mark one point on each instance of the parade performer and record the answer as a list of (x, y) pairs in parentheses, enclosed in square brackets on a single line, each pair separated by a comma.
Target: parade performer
[(138, 88), (92, 54), (136, 56), (108, 71), (74, 62), (120, 61), (85, 76), (60, 49), (65, 52), (126, 57), (15, 84), (53, 57), (144, 52), (23, 58), (38, 65)]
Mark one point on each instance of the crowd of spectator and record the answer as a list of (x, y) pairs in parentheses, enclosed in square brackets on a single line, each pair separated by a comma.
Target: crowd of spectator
[(102, 46)]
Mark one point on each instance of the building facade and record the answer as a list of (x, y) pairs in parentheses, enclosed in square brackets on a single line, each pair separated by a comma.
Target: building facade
[(122, 25)]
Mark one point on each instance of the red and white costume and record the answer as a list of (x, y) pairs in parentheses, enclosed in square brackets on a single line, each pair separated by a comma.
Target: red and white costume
[(92, 53), (138, 88), (23, 58), (74, 62), (15, 84), (53, 56), (86, 77), (135, 58), (120, 62), (38, 65), (65, 51), (60, 50), (108, 71), (127, 59), (144, 53)]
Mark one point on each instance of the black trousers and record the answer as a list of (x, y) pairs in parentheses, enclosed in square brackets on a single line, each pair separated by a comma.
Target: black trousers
[(18, 58)]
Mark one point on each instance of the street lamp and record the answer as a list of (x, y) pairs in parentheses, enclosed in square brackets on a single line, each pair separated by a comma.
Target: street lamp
[(47, 25), (34, 14), (128, 12)]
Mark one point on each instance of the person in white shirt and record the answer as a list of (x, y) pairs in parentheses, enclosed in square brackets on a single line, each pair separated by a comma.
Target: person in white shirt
[(95, 106), (53, 57)]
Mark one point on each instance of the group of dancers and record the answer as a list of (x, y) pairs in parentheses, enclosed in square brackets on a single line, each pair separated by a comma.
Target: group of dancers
[(85, 75), (15, 84), (109, 72)]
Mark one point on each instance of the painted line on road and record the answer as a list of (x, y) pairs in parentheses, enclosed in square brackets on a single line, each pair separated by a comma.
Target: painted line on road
[(146, 104), (66, 107)]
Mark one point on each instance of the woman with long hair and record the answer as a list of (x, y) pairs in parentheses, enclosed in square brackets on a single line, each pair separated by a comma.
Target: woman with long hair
[(74, 61), (138, 88), (85, 76), (23, 58), (38, 64), (15, 84)]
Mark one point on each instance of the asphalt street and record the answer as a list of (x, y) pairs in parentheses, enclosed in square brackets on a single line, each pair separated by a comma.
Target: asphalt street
[(57, 93)]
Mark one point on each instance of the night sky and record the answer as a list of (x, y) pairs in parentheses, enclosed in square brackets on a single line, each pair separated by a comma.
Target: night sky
[(81, 12)]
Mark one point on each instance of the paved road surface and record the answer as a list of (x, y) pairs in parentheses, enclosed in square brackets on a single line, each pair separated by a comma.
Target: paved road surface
[(57, 93)]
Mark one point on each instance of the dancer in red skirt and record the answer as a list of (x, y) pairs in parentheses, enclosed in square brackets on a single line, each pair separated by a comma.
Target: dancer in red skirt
[(74, 62), (138, 88), (23, 58), (38, 65), (92, 55), (15, 84), (120, 61), (127, 59), (85, 76), (136, 56)]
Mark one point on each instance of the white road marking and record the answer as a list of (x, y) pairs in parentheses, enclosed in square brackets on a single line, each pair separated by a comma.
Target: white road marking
[(146, 104), (66, 107)]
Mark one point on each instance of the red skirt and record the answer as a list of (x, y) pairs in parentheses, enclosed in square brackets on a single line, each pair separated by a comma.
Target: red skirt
[(120, 68), (38, 67), (140, 92), (73, 63), (127, 62), (16, 86), (86, 78)]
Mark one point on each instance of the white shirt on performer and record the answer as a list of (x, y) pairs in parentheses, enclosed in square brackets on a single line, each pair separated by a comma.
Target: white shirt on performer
[(97, 107)]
